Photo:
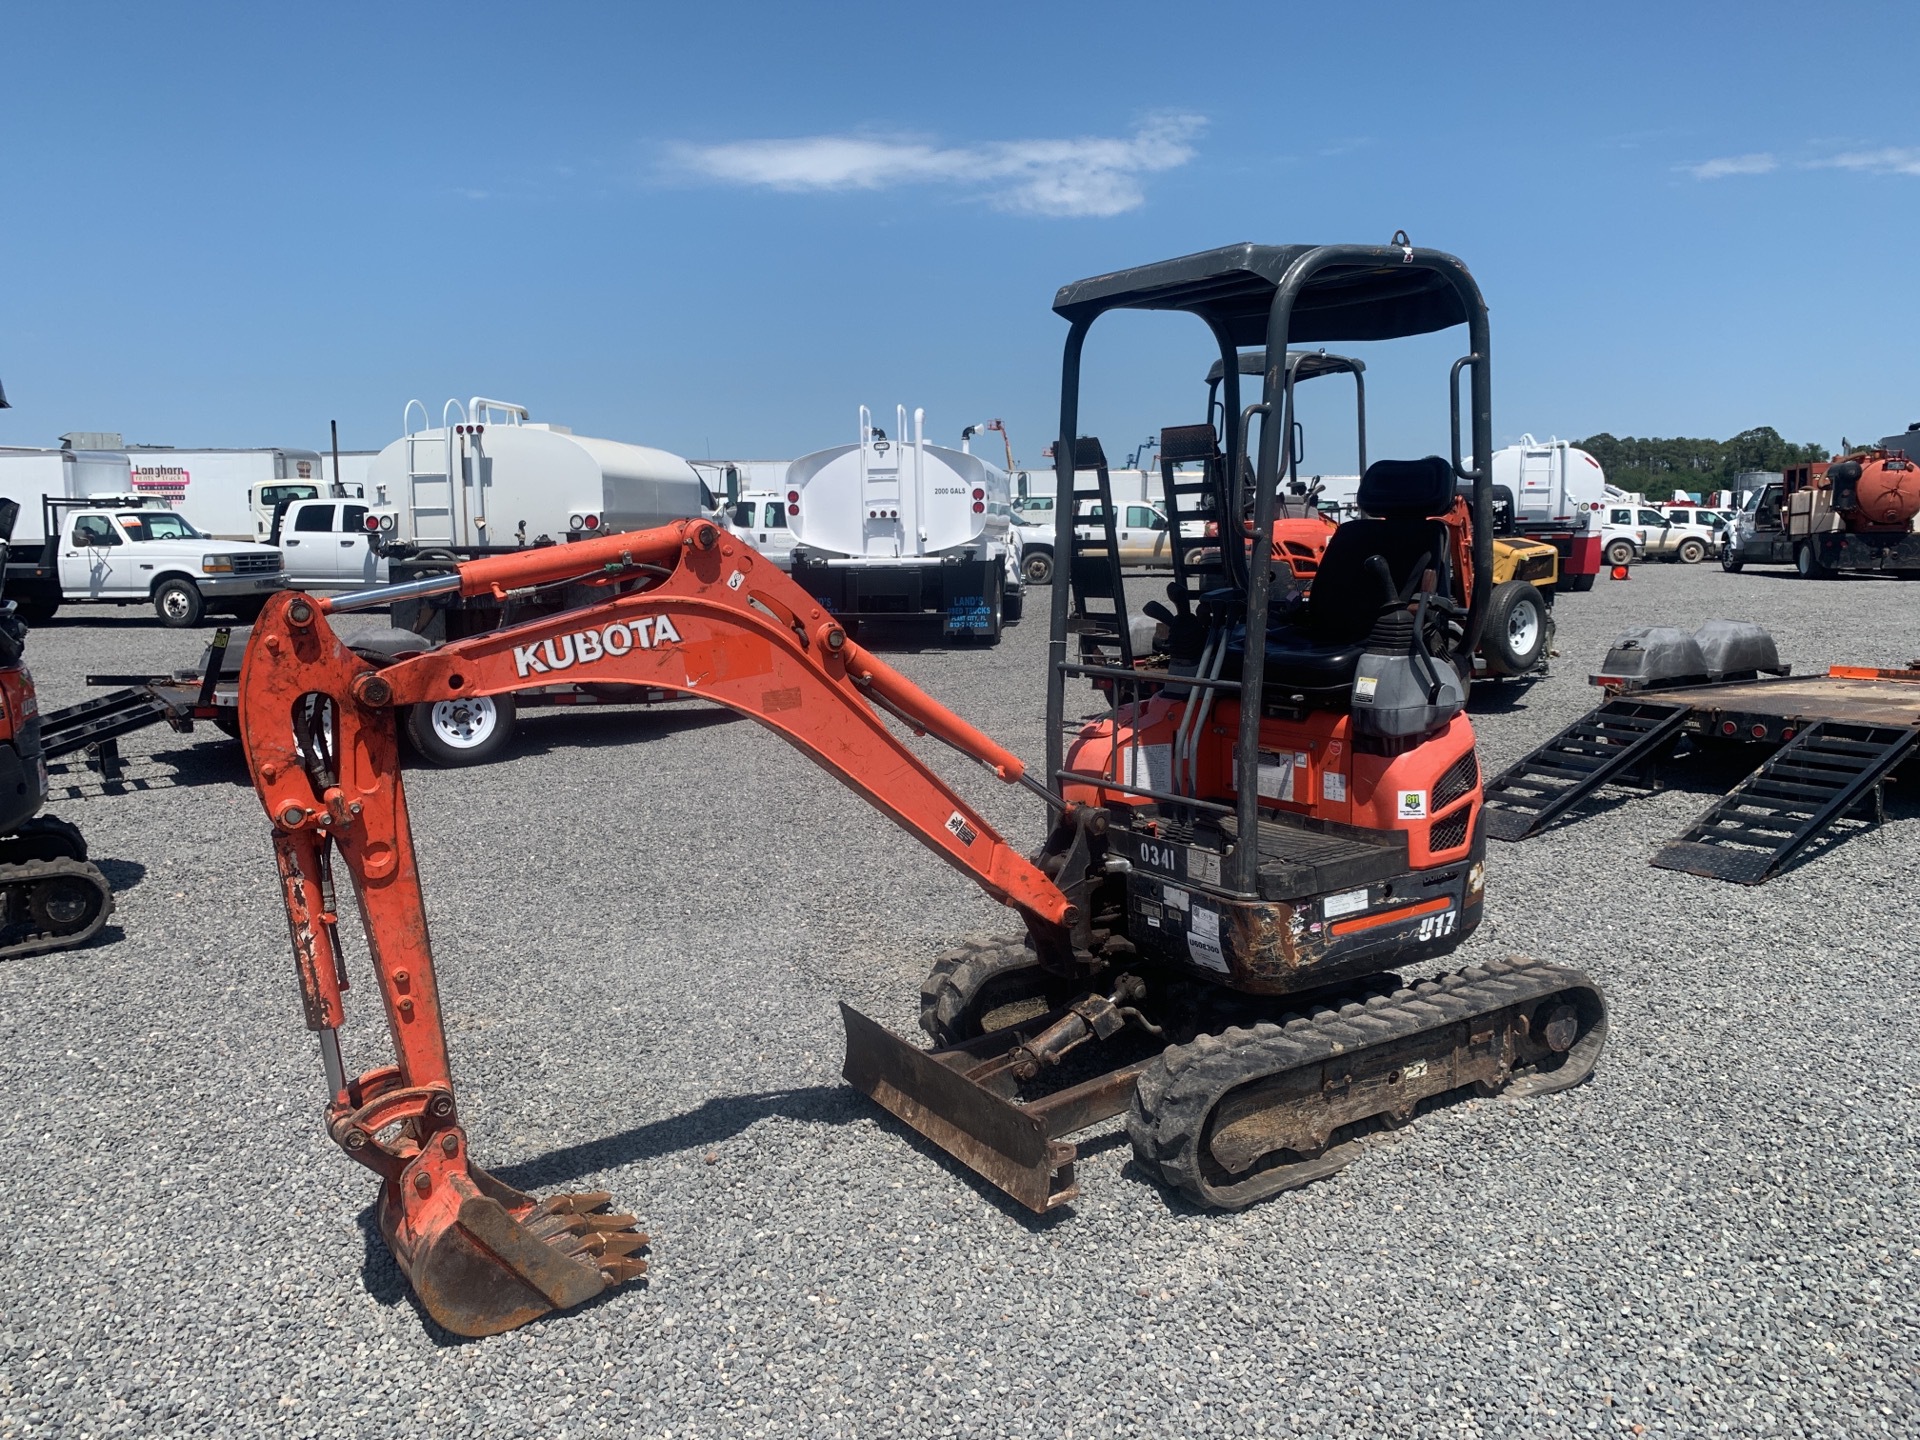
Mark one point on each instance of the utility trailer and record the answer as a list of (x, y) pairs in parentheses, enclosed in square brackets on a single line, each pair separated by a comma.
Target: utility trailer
[(137, 702), (449, 733), (1832, 742)]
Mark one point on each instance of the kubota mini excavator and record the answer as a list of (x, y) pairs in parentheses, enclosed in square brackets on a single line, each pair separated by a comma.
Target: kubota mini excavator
[(1251, 829)]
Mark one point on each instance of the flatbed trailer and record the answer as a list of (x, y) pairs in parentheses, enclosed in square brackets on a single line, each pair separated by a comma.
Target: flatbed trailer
[(1832, 741), (138, 702)]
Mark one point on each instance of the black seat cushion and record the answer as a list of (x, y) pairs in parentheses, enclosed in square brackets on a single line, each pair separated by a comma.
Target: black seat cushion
[(1400, 497), (1297, 661)]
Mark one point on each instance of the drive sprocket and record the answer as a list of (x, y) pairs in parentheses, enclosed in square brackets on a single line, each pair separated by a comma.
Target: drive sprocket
[(52, 905)]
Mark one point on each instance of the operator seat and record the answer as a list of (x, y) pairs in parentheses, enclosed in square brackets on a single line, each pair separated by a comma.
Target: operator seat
[(1373, 564)]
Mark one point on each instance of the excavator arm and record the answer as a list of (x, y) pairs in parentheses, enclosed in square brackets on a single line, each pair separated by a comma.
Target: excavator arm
[(686, 609)]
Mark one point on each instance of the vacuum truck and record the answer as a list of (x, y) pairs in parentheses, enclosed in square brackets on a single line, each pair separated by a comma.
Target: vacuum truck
[(1855, 514)]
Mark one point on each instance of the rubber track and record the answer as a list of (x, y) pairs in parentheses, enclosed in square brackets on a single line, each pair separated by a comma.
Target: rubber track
[(1175, 1096), (959, 975), (26, 875)]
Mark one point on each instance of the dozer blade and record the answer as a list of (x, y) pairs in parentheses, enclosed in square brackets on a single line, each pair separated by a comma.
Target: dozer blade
[(483, 1257), (1011, 1145)]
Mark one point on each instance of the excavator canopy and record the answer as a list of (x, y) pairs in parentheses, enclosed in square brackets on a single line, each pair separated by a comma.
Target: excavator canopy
[(1369, 294)]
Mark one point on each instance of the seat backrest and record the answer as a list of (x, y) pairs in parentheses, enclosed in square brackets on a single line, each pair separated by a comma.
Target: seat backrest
[(1400, 499)]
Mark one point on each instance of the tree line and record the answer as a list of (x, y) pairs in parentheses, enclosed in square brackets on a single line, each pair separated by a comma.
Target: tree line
[(1653, 466)]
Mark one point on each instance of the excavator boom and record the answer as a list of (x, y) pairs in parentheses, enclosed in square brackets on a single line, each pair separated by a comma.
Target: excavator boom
[(686, 609)]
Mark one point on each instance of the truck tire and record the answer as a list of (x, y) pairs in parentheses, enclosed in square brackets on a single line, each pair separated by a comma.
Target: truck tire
[(1015, 606), (1515, 635), (36, 612), (1692, 551), (1620, 552), (1036, 567), (178, 603), (246, 611), (1808, 563), (469, 731), (996, 610), (1581, 584), (1730, 560)]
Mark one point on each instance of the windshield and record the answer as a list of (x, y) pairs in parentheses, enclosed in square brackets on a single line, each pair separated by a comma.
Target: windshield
[(157, 525)]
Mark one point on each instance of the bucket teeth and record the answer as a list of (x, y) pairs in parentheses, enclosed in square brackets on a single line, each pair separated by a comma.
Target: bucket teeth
[(505, 1258), (578, 1226)]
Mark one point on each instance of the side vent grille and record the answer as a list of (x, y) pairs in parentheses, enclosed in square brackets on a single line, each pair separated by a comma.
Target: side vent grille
[(1450, 833), (1459, 781)]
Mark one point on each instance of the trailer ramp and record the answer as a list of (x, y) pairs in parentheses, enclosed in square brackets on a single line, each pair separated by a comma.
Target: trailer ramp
[(1831, 769), (1602, 746)]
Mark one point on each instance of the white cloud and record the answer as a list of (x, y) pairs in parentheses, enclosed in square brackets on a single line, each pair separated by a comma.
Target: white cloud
[(1085, 176), (1726, 165), (1890, 160)]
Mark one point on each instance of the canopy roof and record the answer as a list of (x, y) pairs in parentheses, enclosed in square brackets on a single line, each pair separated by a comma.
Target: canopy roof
[(1307, 364), (1378, 292)]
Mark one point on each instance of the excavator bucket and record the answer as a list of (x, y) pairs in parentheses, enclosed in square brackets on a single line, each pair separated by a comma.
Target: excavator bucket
[(483, 1257)]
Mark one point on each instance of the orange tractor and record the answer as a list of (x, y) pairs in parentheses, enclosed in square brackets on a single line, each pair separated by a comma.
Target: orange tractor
[(1258, 824)]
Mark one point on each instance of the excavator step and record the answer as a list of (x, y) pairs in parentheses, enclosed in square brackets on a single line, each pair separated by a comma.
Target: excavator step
[(1829, 770), (1599, 748)]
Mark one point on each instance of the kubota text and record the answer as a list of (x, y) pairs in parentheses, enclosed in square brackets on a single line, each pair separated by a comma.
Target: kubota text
[(583, 647)]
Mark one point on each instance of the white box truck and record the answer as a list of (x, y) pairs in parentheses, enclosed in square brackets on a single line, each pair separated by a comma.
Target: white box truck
[(899, 527), (85, 537), (228, 494)]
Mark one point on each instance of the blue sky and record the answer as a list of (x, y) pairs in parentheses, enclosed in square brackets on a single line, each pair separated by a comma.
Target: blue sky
[(721, 228)]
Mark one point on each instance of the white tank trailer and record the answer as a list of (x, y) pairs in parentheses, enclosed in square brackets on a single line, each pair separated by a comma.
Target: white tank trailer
[(487, 480), (895, 526)]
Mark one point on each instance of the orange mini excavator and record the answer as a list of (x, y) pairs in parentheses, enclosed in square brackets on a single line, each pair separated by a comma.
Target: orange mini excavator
[(1263, 814)]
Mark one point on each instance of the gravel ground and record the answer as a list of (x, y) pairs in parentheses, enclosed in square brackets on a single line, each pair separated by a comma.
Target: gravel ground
[(643, 922)]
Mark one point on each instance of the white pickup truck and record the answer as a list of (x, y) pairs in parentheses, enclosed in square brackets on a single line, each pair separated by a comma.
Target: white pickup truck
[(115, 550), (328, 545)]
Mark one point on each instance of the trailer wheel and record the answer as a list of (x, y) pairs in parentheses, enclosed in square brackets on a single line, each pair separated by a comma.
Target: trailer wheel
[(1515, 635), (178, 603), (1692, 552), (1036, 567), (1730, 560), (1808, 563), (471, 730), (1620, 552), (36, 612), (246, 611)]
